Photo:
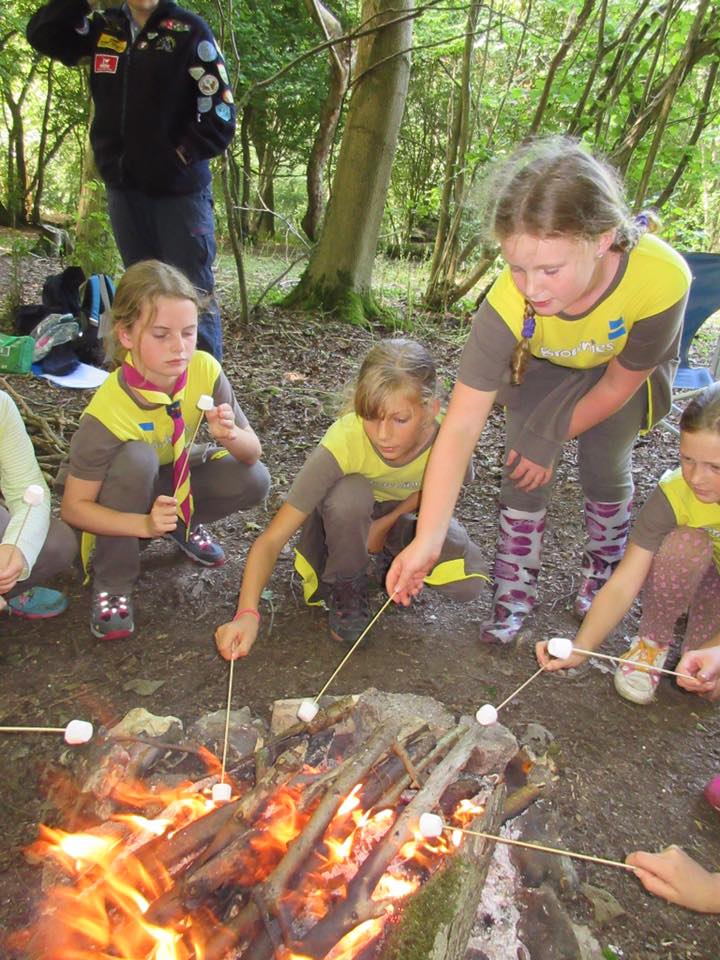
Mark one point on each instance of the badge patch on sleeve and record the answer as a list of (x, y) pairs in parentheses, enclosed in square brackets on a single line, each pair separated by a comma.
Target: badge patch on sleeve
[(115, 43), (105, 63)]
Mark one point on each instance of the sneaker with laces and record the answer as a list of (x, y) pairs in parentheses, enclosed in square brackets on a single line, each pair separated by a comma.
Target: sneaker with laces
[(199, 546), (111, 617), (634, 678), (349, 608), (37, 603)]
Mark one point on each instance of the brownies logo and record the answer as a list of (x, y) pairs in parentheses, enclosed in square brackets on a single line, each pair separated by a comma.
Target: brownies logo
[(105, 63)]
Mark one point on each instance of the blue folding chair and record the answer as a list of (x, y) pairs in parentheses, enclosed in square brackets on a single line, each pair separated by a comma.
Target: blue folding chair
[(703, 301)]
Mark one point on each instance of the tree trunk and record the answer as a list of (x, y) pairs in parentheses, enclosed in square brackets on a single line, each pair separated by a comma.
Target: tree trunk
[(340, 56), (339, 274)]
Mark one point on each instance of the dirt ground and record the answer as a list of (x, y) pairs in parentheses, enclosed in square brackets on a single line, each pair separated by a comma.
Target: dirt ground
[(629, 777)]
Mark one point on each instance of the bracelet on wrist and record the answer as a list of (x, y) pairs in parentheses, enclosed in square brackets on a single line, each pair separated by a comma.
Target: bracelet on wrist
[(249, 610)]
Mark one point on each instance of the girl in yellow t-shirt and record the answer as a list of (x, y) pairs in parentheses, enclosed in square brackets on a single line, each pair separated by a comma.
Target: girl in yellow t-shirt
[(674, 558), (357, 495), (578, 337)]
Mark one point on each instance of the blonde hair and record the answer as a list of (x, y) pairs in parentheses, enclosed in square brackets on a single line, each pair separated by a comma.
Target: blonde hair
[(390, 367), (142, 284), (553, 187)]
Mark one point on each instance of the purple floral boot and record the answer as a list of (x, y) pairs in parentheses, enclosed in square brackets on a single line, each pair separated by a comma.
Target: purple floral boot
[(517, 565), (607, 526)]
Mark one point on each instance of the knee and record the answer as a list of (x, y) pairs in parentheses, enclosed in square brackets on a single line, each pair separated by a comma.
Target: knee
[(352, 496), (132, 476), (687, 545), (256, 484)]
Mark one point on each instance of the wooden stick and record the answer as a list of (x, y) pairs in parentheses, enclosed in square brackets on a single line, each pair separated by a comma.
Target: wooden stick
[(521, 687), (188, 446), (355, 645), (227, 722), (32, 729), (538, 846), (642, 666)]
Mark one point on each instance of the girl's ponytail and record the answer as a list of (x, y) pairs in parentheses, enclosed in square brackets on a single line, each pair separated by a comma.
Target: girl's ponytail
[(629, 231), (521, 354)]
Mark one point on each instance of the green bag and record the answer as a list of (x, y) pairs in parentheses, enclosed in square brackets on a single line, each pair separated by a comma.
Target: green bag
[(16, 354)]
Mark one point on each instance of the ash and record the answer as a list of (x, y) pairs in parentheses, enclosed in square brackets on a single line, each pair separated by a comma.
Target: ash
[(494, 935)]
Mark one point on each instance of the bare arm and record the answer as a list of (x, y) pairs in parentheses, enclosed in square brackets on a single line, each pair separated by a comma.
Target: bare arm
[(80, 509), (676, 877), (234, 639), (467, 412), (610, 394), (608, 608)]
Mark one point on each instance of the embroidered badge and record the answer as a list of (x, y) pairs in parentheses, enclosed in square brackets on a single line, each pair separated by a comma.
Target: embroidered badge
[(105, 63), (206, 51), (223, 72), (175, 25), (197, 72), (166, 44), (151, 36), (227, 95), (616, 329), (204, 104), (223, 111), (208, 84), (115, 43), (142, 45)]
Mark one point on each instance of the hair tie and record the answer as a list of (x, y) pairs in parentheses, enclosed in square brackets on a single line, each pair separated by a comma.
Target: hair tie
[(528, 327), (642, 220)]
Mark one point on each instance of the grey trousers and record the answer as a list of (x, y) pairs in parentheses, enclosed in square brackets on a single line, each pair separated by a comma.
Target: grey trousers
[(221, 486), (334, 541), (57, 554), (604, 451)]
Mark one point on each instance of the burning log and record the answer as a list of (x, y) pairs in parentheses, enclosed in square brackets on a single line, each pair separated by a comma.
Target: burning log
[(301, 860)]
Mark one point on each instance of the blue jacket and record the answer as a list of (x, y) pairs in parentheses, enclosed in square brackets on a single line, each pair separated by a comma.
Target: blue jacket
[(163, 104)]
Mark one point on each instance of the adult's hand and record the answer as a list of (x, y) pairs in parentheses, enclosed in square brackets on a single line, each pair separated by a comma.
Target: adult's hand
[(704, 667)]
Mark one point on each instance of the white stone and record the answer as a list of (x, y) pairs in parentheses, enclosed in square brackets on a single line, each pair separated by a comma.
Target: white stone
[(307, 711), (78, 731), (486, 715), (205, 402), (34, 495), (431, 825), (560, 647), (221, 792)]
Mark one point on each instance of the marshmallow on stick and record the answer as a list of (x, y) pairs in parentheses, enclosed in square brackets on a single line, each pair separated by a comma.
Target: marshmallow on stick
[(562, 648), (76, 732), (307, 711)]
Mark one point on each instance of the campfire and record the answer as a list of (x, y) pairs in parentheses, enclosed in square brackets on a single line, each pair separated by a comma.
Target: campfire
[(318, 854)]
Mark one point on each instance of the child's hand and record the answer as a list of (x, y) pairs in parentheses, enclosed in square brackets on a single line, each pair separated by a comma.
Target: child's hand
[(12, 564), (221, 423), (408, 571), (236, 638), (704, 666), (527, 475), (162, 518), (552, 663), (676, 877)]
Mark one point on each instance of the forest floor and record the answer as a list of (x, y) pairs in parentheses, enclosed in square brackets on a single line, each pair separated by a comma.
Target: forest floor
[(628, 777)]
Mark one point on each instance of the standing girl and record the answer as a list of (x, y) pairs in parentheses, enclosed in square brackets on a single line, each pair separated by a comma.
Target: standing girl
[(577, 338), (674, 554), (356, 495), (130, 475)]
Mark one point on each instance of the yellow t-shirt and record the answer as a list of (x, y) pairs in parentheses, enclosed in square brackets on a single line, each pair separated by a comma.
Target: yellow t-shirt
[(691, 512), (656, 278)]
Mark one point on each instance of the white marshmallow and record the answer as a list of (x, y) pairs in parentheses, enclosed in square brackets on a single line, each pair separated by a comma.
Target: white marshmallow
[(431, 825), (205, 402), (221, 792), (486, 715), (78, 731), (34, 495), (560, 647), (307, 711)]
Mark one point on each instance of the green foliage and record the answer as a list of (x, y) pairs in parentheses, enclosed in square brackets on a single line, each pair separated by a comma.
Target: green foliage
[(95, 250), (14, 293)]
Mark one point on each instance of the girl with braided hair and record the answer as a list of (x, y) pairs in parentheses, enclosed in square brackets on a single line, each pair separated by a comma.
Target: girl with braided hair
[(578, 337)]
